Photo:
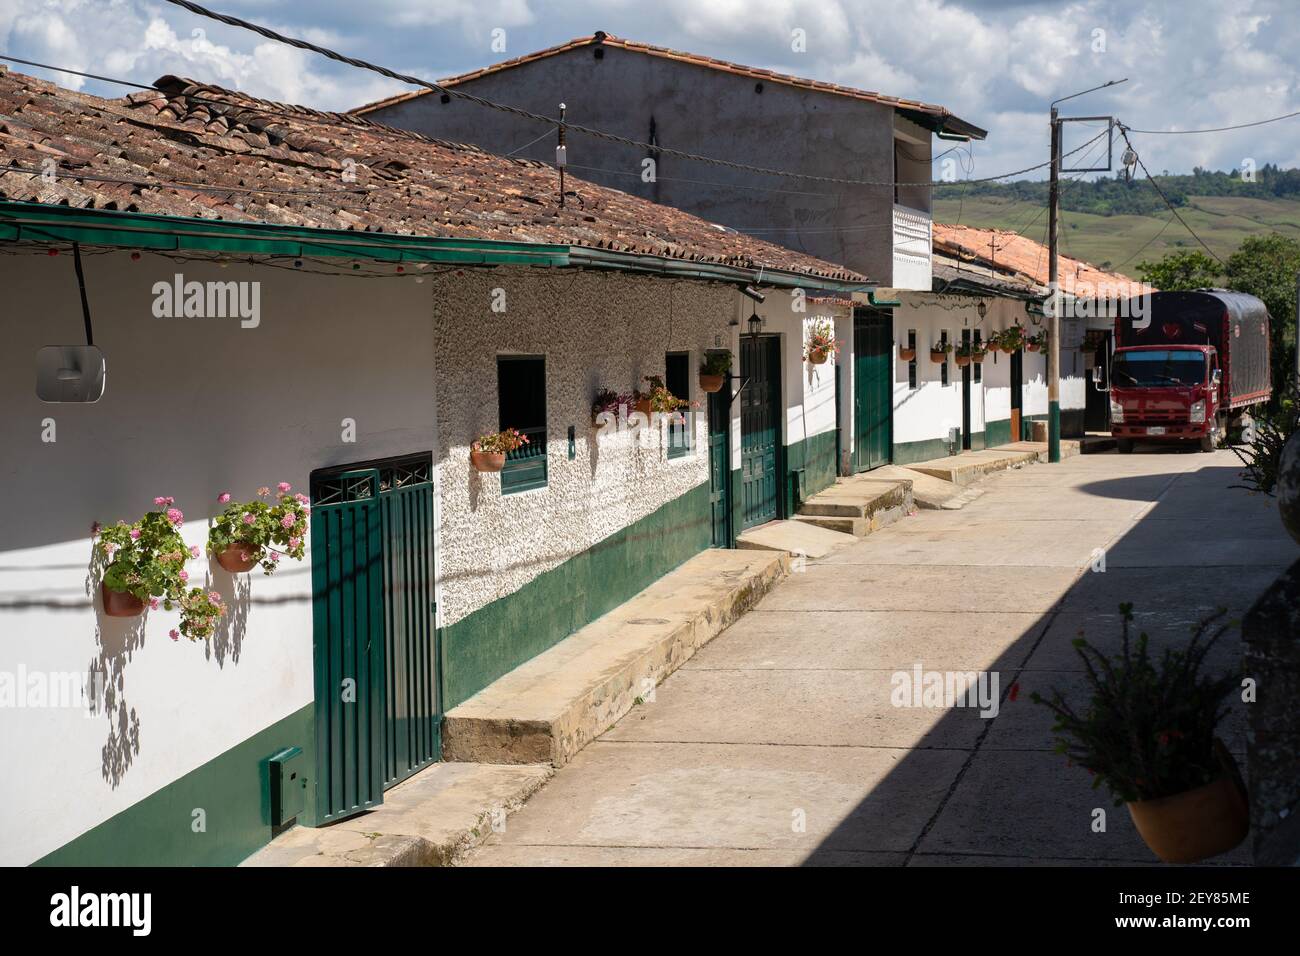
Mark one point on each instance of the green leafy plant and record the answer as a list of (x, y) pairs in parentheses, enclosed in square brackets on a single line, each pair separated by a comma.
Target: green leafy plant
[(265, 529), (1148, 729), (502, 442), (941, 347), (660, 399), (1262, 441), (147, 560), (1037, 340), (716, 363), (971, 350), (821, 340)]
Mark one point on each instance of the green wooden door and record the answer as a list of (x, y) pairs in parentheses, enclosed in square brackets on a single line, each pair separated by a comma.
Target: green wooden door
[(760, 428), (378, 710), (872, 387), (720, 466)]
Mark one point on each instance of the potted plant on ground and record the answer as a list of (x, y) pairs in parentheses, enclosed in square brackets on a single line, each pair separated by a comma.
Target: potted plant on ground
[(1147, 733), (488, 453), (145, 561), (254, 532), (1036, 342), (714, 370), (939, 352), (821, 343)]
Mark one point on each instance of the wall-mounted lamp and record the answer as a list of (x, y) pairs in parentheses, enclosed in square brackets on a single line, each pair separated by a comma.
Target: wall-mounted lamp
[(982, 309)]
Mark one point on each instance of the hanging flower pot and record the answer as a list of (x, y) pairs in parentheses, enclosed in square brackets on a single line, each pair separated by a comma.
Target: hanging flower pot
[(821, 343), (938, 356), (642, 405), (489, 452), (714, 371), (239, 557), (486, 461), (711, 383), (906, 355), (120, 603), (962, 361), (978, 357), (818, 357)]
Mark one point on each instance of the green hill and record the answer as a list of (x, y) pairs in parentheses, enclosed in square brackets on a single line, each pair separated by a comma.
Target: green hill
[(1115, 224)]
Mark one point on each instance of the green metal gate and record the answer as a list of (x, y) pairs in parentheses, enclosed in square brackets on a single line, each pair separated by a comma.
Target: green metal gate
[(760, 428), (720, 466), (378, 707), (872, 387)]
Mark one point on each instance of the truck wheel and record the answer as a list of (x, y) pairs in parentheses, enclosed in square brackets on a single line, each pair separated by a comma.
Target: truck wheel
[(1124, 445)]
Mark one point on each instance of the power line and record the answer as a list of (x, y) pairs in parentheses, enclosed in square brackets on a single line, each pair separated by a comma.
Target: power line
[(1215, 129), (260, 107), (537, 117), (1123, 131)]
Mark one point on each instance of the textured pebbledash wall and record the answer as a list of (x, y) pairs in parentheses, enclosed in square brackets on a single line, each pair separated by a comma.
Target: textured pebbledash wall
[(620, 491)]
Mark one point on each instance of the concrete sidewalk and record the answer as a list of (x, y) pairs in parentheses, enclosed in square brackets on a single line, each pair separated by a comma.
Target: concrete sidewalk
[(779, 743)]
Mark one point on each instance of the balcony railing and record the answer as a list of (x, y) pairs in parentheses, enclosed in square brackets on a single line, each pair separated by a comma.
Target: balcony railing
[(912, 243)]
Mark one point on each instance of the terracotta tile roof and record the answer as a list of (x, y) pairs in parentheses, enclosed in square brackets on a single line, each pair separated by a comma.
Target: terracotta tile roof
[(1012, 253), (251, 160), (938, 116)]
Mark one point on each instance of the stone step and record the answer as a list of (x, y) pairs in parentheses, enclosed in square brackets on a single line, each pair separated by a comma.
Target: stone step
[(547, 709), (797, 537)]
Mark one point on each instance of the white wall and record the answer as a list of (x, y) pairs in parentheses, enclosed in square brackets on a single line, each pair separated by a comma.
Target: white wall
[(594, 330), (193, 407)]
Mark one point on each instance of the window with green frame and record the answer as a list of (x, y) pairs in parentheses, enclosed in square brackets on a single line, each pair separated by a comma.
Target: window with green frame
[(521, 404), (677, 376)]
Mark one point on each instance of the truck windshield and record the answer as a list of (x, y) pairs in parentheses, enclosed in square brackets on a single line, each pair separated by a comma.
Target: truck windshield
[(1158, 367)]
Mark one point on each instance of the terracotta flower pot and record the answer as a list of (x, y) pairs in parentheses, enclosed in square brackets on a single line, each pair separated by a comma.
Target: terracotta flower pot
[(1032, 347), (907, 355), (962, 361), (1195, 824), (938, 358), (487, 460), (643, 406), (978, 358), (711, 383), (818, 358), (120, 603), (233, 560)]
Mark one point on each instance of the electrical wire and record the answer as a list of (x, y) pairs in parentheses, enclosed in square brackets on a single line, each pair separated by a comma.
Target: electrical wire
[(552, 121), (1215, 129), (1123, 131)]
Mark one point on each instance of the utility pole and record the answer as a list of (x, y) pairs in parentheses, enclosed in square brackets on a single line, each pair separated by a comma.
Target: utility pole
[(561, 153), (1054, 319), (1053, 269)]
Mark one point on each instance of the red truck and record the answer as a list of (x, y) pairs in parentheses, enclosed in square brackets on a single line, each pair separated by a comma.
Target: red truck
[(1186, 366)]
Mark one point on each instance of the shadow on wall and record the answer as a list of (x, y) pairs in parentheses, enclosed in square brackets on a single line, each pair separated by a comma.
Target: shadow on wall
[(116, 641)]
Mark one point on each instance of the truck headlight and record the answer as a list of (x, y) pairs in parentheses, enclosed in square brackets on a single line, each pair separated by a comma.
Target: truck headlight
[(1116, 411), (1198, 412)]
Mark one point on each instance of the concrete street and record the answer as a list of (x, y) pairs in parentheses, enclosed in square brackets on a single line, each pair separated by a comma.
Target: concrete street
[(778, 743)]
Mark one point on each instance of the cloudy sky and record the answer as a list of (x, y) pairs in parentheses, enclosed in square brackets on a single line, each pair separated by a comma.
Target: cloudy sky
[(997, 63)]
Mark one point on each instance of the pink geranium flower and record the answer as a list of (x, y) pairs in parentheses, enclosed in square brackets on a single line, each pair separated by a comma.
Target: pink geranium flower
[(135, 534), (294, 542), (223, 497), (248, 517), (153, 604), (185, 575), (194, 551), (284, 487), (287, 521), (263, 491), (173, 633), (175, 516)]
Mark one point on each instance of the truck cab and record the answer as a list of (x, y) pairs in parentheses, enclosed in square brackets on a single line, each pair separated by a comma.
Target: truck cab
[(1166, 393)]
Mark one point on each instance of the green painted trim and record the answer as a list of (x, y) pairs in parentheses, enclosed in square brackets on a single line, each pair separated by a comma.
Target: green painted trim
[(231, 788), (500, 636), (908, 453), (977, 441), (36, 222), (814, 457), (997, 433)]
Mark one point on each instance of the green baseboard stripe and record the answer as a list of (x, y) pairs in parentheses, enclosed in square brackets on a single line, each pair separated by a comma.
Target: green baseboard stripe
[(997, 433), (230, 789), (500, 636), (907, 453), (814, 458)]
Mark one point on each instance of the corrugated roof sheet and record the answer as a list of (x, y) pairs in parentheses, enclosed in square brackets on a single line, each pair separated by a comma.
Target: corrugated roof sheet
[(939, 115), (249, 160)]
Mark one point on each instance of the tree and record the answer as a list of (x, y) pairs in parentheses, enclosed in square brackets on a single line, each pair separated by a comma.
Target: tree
[(1181, 272), (1266, 267)]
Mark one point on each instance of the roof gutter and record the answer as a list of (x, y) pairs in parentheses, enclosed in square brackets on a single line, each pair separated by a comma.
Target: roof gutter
[(36, 222), (711, 271)]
